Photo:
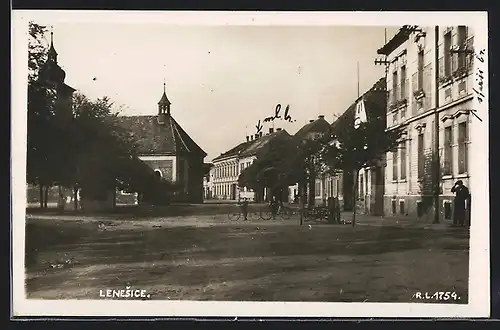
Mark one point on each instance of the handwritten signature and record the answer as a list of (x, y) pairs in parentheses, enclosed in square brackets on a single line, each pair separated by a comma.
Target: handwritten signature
[(277, 115), (480, 82)]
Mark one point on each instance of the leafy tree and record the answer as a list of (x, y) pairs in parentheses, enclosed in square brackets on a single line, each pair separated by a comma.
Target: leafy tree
[(105, 157), (284, 161), (85, 148), (41, 126), (354, 148)]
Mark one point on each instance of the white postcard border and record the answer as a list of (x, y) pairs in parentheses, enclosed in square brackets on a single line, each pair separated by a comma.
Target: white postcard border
[(479, 283)]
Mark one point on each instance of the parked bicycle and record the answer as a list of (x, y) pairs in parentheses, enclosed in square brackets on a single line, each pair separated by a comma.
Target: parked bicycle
[(315, 213), (252, 215), (282, 212)]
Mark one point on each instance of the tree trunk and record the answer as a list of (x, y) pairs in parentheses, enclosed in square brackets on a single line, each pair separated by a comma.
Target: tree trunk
[(301, 202), (354, 196), (60, 198), (41, 195), (45, 197), (75, 198)]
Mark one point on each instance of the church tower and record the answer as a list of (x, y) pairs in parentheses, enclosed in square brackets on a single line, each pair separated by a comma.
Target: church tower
[(163, 106)]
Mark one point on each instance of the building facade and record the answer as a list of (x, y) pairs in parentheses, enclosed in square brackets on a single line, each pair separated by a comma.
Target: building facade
[(208, 181), (413, 83), (166, 148), (229, 165), (370, 185)]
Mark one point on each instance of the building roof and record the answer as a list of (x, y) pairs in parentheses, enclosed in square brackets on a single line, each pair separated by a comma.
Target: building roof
[(319, 125), (233, 152), (154, 138), (375, 99), (400, 37), (258, 144), (250, 148), (164, 99)]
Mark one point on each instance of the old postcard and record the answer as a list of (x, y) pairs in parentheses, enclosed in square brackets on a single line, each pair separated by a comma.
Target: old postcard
[(250, 164)]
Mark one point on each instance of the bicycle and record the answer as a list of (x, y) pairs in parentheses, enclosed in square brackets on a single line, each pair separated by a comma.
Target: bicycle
[(285, 212), (315, 213), (255, 215)]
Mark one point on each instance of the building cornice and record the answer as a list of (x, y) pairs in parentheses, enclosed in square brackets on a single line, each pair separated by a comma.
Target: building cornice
[(431, 111), (400, 37)]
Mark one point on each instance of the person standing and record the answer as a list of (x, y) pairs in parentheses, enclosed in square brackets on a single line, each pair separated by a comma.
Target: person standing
[(460, 202), (244, 208), (274, 207)]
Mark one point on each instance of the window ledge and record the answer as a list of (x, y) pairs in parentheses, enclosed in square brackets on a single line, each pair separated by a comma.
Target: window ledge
[(447, 177), (394, 181), (446, 84), (463, 175), (402, 181)]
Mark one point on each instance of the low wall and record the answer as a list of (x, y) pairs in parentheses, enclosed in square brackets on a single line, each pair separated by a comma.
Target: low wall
[(91, 205)]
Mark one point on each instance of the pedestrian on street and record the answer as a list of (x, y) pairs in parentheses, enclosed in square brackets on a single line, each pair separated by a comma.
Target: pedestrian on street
[(274, 207), (462, 195), (244, 208)]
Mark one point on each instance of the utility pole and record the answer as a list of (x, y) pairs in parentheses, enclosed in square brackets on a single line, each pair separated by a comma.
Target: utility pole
[(437, 167), (357, 68)]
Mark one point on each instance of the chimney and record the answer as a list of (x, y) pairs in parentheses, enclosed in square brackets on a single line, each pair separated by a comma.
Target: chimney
[(251, 137), (161, 118), (248, 138), (311, 120), (271, 130), (256, 136), (278, 129), (260, 134), (321, 117)]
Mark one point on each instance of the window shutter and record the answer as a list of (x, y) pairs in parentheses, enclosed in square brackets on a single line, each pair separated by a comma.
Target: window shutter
[(389, 94), (414, 88), (454, 62), (428, 85), (407, 89), (469, 44), (414, 82), (441, 67)]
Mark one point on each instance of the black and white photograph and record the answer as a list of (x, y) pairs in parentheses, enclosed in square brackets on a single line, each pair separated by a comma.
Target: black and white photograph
[(292, 164)]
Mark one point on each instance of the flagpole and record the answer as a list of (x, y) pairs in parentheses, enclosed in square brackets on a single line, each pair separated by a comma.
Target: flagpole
[(357, 67)]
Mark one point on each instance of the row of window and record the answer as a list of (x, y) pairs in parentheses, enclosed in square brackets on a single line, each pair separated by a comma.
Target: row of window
[(399, 156), (447, 205), (400, 77), (331, 188), (226, 171), (228, 190)]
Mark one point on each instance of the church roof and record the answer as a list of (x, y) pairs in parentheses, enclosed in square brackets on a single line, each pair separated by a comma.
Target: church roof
[(164, 99), (154, 138)]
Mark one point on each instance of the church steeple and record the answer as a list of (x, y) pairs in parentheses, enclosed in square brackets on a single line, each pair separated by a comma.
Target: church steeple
[(52, 54), (164, 103)]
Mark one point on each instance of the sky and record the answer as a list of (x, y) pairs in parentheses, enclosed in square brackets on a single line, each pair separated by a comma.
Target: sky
[(221, 79)]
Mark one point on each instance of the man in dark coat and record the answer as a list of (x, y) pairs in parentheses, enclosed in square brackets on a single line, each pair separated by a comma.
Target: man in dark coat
[(244, 208), (461, 197)]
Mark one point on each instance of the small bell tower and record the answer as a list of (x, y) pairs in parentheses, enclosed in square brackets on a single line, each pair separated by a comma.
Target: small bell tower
[(52, 54), (163, 106)]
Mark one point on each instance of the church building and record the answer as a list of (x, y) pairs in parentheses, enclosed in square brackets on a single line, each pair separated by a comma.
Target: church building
[(169, 151)]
